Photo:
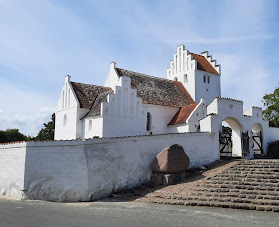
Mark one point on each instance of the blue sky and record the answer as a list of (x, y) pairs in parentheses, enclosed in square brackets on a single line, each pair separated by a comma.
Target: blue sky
[(42, 41)]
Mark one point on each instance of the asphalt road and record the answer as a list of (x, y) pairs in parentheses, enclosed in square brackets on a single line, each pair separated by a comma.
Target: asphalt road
[(39, 213)]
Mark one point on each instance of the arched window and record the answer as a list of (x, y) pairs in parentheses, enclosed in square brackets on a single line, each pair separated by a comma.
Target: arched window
[(204, 79), (65, 120), (69, 97), (176, 63), (90, 125), (148, 122), (208, 79), (119, 103), (63, 97), (132, 103), (185, 78), (137, 108), (179, 60), (66, 96), (175, 79), (183, 61)]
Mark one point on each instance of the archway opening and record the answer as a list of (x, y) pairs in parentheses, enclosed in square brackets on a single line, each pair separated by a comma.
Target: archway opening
[(230, 138), (257, 134)]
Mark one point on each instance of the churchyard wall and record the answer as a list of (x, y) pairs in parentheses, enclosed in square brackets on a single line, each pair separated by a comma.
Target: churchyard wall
[(92, 169)]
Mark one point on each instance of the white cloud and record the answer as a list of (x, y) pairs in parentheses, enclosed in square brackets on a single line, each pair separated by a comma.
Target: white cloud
[(26, 123)]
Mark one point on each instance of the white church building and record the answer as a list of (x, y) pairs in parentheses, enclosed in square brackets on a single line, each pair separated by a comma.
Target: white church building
[(107, 137), (133, 104)]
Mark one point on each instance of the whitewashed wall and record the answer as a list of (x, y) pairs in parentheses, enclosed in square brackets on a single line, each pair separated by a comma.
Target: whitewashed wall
[(123, 113), (12, 169), (160, 117), (232, 112), (68, 106), (92, 169)]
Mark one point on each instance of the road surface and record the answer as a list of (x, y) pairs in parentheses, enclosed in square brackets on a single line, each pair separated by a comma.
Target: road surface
[(109, 213)]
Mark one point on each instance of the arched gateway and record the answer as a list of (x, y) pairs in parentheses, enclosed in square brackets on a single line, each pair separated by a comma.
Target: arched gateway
[(244, 136)]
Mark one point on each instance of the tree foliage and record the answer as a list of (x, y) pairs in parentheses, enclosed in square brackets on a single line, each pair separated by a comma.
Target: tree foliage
[(11, 135), (47, 132), (271, 113)]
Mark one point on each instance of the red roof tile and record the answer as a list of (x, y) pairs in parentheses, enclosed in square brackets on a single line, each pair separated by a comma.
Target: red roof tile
[(203, 64), (182, 114)]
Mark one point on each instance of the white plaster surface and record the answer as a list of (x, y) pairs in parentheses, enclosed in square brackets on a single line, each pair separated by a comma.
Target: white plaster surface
[(93, 169), (12, 169)]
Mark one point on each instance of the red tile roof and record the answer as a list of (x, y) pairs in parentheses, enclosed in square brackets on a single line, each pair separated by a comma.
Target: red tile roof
[(203, 64), (182, 114)]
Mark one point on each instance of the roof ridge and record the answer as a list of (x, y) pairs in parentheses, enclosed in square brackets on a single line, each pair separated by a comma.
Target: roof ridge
[(145, 74), (90, 84)]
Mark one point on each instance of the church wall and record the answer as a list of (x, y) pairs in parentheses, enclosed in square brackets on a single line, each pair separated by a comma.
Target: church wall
[(66, 124), (95, 168), (93, 126), (67, 114), (12, 166), (160, 117), (123, 113), (206, 90), (178, 128)]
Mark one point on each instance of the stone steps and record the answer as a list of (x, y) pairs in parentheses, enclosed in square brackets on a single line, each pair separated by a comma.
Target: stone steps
[(251, 185), (220, 203)]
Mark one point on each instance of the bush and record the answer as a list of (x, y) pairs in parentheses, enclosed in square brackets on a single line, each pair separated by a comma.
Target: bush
[(273, 149)]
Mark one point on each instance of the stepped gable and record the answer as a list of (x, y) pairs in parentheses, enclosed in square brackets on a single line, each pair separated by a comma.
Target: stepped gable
[(157, 91), (182, 114), (203, 64)]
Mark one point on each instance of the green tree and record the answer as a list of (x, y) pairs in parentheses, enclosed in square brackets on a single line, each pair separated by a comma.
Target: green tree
[(47, 132), (13, 135), (3, 137), (271, 113)]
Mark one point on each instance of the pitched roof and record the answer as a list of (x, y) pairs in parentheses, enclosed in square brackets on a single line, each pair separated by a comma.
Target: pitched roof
[(88, 93), (158, 91), (96, 108), (203, 64), (182, 114)]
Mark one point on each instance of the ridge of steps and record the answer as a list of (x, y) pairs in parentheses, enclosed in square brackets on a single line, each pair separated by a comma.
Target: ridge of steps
[(249, 185)]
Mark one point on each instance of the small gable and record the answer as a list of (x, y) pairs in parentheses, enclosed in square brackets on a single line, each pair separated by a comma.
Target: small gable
[(183, 114), (87, 93), (203, 64)]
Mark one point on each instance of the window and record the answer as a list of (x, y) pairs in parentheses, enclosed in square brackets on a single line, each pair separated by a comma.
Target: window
[(90, 125), (204, 79), (208, 79), (176, 63), (179, 60), (63, 100), (185, 78), (175, 79), (148, 122), (65, 120)]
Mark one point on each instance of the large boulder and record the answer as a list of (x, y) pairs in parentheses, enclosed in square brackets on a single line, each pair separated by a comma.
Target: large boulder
[(170, 160)]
